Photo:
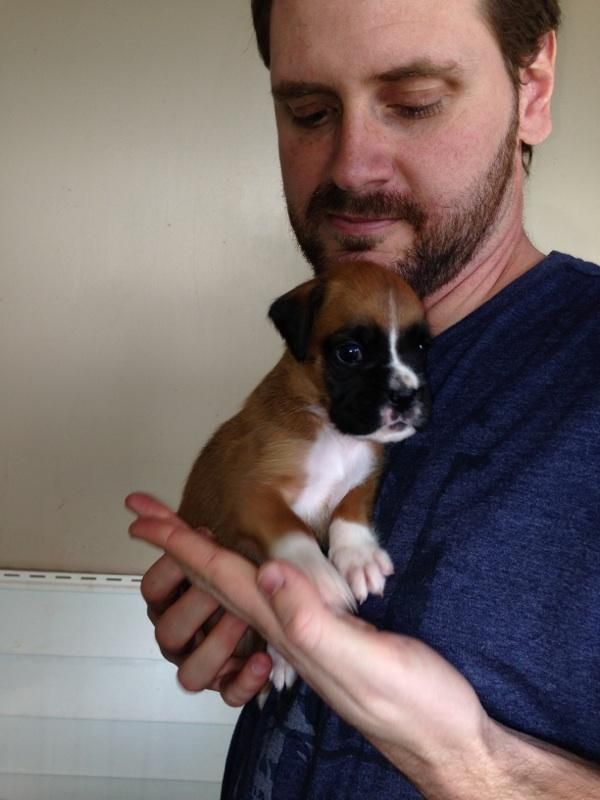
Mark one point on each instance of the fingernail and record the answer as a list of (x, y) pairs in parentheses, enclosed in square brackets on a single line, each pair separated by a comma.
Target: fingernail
[(270, 580), (260, 669)]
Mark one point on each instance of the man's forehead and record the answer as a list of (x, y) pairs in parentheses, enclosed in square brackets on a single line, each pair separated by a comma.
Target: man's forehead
[(376, 8), (395, 33)]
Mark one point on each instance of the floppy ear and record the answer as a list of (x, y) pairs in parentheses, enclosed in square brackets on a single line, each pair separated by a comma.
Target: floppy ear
[(293, 314)]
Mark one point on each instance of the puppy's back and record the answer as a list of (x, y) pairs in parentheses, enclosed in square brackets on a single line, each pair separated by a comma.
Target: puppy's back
[(263, 445)]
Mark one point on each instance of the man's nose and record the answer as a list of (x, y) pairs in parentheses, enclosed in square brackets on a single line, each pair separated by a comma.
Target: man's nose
[(361, 159)]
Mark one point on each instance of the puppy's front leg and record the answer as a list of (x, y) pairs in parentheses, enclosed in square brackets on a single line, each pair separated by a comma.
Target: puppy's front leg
[(353, 545), (282, 534)]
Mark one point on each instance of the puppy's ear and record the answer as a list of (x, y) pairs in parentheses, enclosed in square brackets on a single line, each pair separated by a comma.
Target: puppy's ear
[(293, 314)]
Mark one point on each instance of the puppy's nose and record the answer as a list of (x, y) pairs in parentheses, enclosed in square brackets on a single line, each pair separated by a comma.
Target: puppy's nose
[(402, 396)]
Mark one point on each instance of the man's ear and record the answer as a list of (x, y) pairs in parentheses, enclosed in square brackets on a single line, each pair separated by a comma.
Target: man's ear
[(535, 93), (293, 314)]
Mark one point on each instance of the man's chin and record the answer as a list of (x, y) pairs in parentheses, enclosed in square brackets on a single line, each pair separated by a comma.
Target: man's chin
[(371, 253), (386, 250), (343, 256), (369, 256)]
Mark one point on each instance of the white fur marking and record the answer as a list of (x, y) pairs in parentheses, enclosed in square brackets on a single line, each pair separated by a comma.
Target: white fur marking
[(283, 674), (354, 550), (402, 374), (387, 435), (336, 463)]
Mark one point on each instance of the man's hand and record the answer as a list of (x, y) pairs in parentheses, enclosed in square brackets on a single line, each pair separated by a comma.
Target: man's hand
[(398, 692), (182, 612)]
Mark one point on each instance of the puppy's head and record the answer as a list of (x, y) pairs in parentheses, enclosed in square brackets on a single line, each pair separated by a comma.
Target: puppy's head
[(359, 332)]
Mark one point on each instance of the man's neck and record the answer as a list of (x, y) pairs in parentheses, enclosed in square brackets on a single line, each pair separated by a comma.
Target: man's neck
[(480, 280)]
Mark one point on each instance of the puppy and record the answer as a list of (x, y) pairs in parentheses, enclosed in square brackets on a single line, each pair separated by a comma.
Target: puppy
[(296, 470)]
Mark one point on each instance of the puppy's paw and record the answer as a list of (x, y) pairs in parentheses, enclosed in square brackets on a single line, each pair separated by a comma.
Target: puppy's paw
[(304, 553), (355, 552), (283, 674)]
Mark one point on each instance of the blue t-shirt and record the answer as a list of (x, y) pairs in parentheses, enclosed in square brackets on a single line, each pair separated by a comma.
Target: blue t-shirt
[(492, 519)]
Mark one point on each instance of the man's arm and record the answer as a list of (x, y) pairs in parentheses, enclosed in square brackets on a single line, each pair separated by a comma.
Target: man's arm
[(404, 697), (423, 715), (511, 766), (527, 767)]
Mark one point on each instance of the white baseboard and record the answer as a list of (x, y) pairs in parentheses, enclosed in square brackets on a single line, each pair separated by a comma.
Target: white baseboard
[(50, 787), (86, 699)]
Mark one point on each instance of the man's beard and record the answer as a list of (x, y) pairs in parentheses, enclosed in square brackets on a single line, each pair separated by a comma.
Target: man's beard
[(443, 242)]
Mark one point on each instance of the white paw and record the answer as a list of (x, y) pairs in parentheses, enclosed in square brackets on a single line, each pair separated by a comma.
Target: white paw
[(356, 554), (282, 673), (305, 554)]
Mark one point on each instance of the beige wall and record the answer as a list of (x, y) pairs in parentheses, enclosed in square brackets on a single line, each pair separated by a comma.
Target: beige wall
[(142, 236), (563, 209)]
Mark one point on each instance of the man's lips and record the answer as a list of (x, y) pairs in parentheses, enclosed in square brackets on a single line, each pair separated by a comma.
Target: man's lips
[(359, 226)]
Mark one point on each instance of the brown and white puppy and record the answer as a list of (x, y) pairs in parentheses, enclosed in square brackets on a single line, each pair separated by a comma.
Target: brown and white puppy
[(296, 469)]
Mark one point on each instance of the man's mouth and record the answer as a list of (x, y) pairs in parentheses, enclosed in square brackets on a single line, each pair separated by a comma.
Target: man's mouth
[(358, 226)]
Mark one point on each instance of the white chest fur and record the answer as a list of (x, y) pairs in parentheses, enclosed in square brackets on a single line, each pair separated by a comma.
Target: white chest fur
[(335, 464)]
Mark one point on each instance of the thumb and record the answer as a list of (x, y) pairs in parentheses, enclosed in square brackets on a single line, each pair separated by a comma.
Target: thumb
[(295, 601)]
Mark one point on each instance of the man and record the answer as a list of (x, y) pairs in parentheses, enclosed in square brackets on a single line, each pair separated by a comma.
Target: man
[(405, 128)]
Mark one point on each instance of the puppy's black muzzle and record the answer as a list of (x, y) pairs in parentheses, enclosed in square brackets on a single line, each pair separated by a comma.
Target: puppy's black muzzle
[(414, 405)]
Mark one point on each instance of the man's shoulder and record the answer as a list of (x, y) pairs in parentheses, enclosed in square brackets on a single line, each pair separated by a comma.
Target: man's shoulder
[(559, 277), (567, 265), (565, 295), (558, 298)]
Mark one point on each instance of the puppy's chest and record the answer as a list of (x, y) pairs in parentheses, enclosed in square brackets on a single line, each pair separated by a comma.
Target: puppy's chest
[(335, 464)]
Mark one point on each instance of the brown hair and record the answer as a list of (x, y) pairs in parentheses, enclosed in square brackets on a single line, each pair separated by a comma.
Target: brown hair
[(518, 26)]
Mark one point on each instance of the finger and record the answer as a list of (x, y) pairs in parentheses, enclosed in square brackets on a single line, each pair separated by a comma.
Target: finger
[(177, 627), (148, 506), (238, 688), (230, 577), (199, 670), (168, 532), (296, 602), (161, 584)]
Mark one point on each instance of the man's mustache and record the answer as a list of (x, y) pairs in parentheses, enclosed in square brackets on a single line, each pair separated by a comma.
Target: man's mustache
[(330, 199)]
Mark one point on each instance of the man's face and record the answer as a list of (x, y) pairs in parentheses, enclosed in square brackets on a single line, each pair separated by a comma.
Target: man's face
[(397, 128)]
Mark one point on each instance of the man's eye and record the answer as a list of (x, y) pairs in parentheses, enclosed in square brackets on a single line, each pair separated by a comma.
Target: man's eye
[(418, 112), (349, 353), (311, 117)]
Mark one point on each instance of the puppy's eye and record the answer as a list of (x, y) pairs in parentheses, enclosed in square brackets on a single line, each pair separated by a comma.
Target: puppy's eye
[(425, 342), (418, 338), (349, 353)]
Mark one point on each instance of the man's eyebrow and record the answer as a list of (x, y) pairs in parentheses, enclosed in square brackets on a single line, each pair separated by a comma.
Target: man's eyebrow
[(448, 70), (289, 90)]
